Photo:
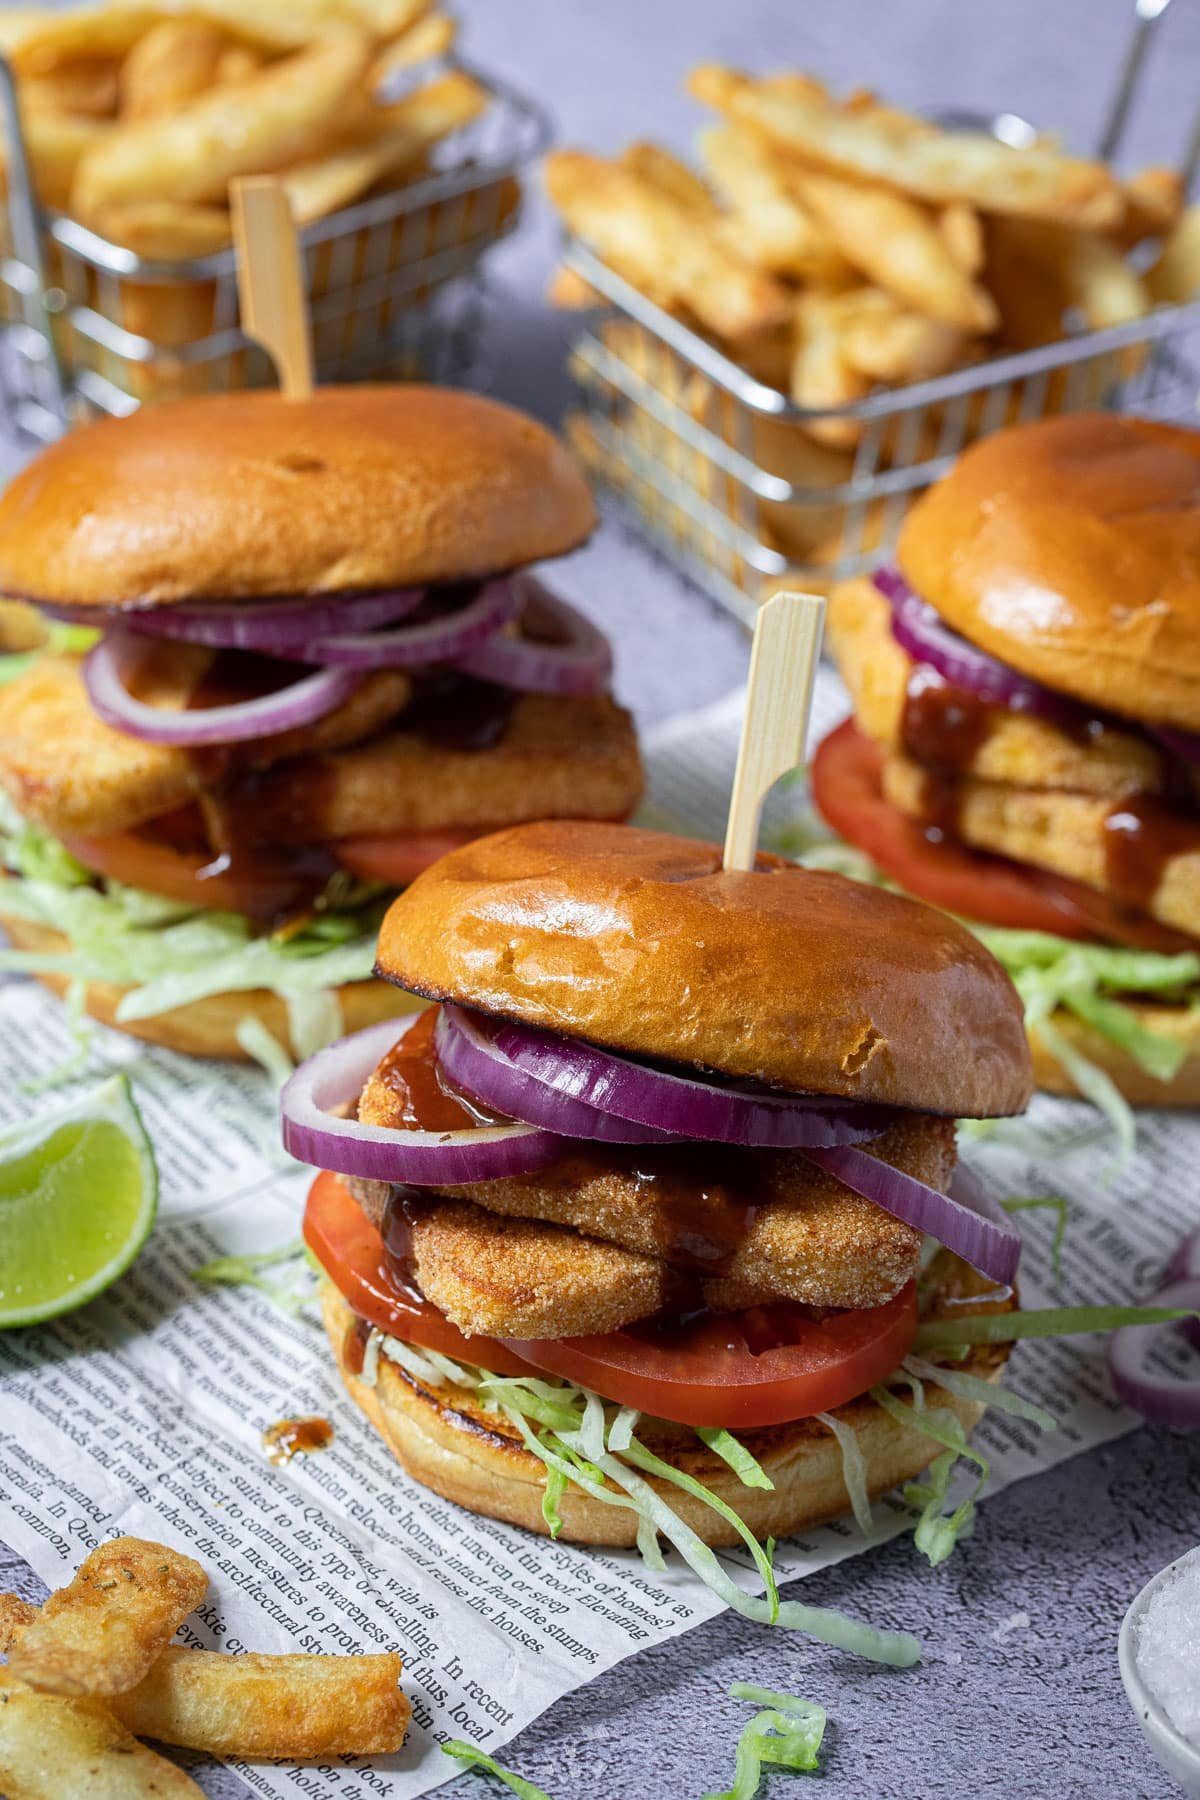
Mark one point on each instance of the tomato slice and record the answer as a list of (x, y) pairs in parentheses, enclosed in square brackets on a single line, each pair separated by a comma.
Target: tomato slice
[(847, 787), (192, 874), (399, 859), (348, 1248), (765, 1366)]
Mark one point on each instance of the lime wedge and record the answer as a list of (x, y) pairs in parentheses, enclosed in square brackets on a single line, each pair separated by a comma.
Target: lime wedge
[(78, 1195)]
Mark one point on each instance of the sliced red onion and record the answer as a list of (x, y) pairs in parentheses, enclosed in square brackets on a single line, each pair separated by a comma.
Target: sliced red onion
[(279, 627), (920, 630), (578, 1090), (336, 1076), (1185, 1266), (445, 639), (1183, 744), (106, 669), (968, 1220), (573, 658), (1166, 1399)]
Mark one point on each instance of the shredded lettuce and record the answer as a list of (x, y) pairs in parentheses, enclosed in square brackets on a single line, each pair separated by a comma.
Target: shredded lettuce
[(1057, 1205), (289, 1294), (937, 1532), (60, 639), (981, 1391), (471, 1757), (1052, 1321), (731, 1450), (785, 1734), (854, 1471), (169, 954)]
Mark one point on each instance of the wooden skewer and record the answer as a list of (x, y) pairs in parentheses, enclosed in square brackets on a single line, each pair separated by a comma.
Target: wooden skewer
[(271, 280), (783, 664)]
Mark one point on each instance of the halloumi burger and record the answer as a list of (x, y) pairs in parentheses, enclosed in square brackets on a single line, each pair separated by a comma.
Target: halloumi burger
[(1025, 747), (320, 661), (625, 1236)]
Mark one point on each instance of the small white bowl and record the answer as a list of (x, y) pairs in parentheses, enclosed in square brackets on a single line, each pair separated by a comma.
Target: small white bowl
[(1180, 1759)]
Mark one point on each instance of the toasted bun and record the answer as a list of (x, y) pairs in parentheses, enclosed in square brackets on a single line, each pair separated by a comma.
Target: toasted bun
[(1071, 549), (250, 494), (643, 943), (477, 1459), (1180, 1023), (206, 1027)]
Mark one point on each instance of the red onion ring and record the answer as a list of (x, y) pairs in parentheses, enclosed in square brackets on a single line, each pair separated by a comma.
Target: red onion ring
[(968, 1220), (336, 1076), (1185, 1266), (441, 640), (282, 627), (108, 664), (580, 665), (1165, 1399), (919, 630), (570, 1087)]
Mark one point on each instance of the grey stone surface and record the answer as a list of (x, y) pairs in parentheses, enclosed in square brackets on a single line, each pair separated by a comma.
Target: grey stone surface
[(1019, 1695)]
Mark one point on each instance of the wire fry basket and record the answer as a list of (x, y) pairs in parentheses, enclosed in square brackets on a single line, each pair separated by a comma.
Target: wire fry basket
[(746, 491), (396, 285)]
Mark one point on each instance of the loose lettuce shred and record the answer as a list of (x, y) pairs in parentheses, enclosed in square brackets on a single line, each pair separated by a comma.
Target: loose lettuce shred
[(472, 1757), (585, 1444), (289, 1290), (168, 953), (785, 1734)]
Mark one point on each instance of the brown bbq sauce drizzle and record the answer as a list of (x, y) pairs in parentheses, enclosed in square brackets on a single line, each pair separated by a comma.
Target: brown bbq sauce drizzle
[(289, 1438), (1142, 834)]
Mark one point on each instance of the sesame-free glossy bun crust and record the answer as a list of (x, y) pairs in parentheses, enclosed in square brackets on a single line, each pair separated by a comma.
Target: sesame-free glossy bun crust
[(444, 1439), (250, 494), (1071, 550), (643, 943)]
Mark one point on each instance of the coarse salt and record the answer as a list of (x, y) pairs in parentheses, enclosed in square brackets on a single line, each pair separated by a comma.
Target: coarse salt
[(1168, 1649)]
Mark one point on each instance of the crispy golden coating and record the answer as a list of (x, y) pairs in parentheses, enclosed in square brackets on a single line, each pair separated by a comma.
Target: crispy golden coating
[(1016, 748), (559, 757), (1065, 833), (499, 1277), (805, 1237), (72, 773)]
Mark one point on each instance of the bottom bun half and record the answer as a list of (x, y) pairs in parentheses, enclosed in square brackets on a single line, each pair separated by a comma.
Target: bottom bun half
[(208, 1027), (447, 1442), (1181, 1024)]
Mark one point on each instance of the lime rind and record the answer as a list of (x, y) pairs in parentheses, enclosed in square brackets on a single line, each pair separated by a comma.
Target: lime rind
[(78, 1199)]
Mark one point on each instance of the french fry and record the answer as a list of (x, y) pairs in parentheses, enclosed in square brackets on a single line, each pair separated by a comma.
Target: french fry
[(55, 1749), (769, 223), (166, 230), (169, 66), (432, 36), (962, 233), (238, 63), (1153, 205), (1034, 182), (821, 376), (85, 89), (15, 1613), (898, 244), (256, 125), (56, 145), (1074, 271), (1175, 277), (65, 37), (102, 1632), (254, 1705), (571, 292), (397, 138), (885, 340), (661, 246), (664, 170), (18, 23)]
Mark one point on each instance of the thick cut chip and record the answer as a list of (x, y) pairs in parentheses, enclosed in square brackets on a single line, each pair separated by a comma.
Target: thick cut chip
[(55, 1749), (103, 1631), (255, 1705)]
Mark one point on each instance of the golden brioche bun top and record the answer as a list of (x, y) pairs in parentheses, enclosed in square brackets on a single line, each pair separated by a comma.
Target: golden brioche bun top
[(251, 494), (1070, 549), (643, 943)]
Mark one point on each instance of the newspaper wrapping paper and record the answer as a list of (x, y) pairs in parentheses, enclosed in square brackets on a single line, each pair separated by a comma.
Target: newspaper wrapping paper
[(143, 1413)]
